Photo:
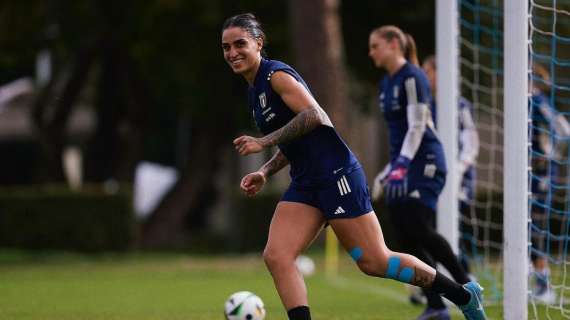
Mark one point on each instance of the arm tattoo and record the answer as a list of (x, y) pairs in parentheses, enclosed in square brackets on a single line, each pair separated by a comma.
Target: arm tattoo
[(276, 163), (422, 278), (301, 124)]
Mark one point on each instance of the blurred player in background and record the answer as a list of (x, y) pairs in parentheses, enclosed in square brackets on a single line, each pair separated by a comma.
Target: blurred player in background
[(415, 176), (549, 129), (328, 183), (468, 150)]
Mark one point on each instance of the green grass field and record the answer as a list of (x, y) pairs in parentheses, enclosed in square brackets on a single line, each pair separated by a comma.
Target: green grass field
[(175, 286)]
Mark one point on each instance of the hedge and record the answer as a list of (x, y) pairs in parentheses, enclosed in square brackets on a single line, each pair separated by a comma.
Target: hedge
[(57, 218)]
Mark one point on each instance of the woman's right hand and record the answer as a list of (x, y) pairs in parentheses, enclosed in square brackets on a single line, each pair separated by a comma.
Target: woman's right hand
[(252, 183), (247, 145)]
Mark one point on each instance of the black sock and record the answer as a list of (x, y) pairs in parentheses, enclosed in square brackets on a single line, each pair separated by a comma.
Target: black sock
[(299, 313), (434, 300), (449, 289)]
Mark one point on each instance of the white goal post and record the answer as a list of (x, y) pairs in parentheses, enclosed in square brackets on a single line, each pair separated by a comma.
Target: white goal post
[(516, 148), (515, 141), (447, 60)]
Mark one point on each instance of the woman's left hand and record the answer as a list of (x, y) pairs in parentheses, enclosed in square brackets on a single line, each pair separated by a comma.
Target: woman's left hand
[(246, 145), (252, 183)]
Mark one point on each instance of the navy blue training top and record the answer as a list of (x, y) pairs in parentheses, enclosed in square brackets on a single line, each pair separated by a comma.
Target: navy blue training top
[(408, 85), (316, 158)]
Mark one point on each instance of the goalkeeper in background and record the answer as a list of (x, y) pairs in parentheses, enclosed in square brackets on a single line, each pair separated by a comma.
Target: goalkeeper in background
[(468, 151), (415, 176)]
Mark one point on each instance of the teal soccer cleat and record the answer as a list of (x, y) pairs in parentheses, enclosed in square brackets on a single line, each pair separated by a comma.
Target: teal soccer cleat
[(473, 310)]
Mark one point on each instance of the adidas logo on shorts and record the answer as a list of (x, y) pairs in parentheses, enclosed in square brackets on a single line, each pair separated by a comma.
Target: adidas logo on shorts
[(339, 210)]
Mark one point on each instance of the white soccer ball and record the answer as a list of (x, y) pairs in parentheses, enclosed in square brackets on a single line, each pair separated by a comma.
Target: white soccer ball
[(244, 305), (305, 265)]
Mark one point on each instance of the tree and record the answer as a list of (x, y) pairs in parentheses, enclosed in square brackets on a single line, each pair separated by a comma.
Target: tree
[(121, 102), (319, 55)]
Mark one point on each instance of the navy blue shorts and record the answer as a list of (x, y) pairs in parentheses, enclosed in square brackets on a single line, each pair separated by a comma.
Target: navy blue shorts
[(347, 197)]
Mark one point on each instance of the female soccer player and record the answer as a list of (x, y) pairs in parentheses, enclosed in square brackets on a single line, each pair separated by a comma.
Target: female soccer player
[(328, 183), (468, 151), (416, 173), (549, 129)]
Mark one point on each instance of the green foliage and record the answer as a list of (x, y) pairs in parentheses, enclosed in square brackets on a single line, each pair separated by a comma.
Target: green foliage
[(61, 219), (175, 45), (19, 24), (359, 18)]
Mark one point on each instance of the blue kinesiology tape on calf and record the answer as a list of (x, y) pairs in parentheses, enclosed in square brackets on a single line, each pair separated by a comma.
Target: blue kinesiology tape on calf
[(355, 253), (405, 274), (393, 266)]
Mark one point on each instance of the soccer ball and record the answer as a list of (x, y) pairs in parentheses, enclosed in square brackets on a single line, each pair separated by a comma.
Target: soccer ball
[(244, 305)]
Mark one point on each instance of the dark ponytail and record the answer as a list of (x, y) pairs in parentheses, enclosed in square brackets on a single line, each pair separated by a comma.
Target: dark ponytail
[(249, 23), (410, 51)]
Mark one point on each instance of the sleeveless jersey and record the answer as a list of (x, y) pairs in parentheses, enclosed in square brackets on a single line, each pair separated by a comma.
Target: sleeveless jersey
[(317, 157)]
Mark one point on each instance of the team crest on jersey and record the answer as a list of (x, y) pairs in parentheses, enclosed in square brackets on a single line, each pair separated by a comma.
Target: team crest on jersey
[(263, 100)]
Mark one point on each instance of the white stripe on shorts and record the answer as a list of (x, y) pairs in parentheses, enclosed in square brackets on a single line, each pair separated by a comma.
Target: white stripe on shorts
[(343, 186), (346, 184)]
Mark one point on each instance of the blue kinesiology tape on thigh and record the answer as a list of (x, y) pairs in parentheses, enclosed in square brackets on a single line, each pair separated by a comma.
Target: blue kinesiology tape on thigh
[(356, 253)]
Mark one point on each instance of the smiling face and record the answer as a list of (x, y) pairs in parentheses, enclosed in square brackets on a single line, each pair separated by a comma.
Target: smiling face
[(241, 51)]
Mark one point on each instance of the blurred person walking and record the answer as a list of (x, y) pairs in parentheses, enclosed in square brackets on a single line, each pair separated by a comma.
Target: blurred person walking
[(549, 129), (328, 184)]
